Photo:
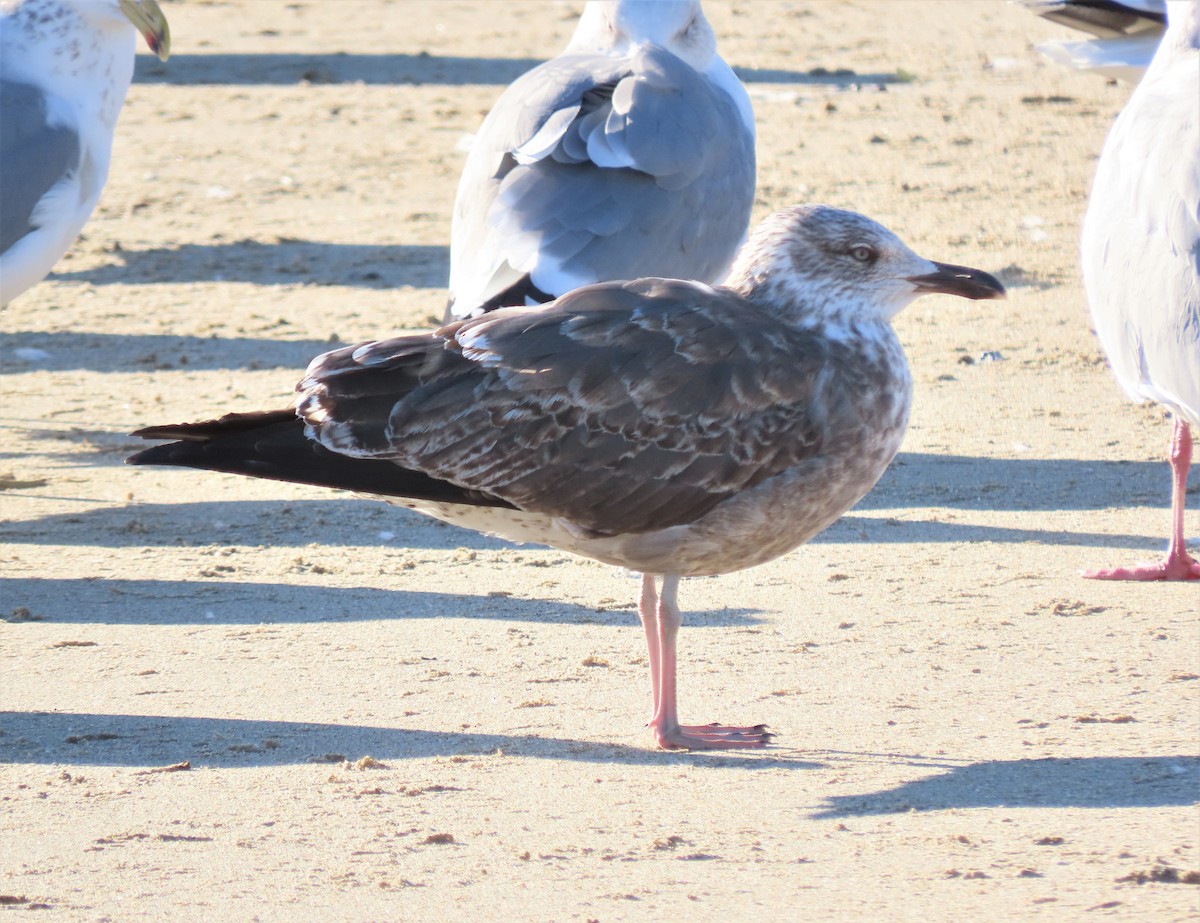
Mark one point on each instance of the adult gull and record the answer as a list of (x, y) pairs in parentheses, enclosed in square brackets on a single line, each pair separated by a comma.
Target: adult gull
[(665, 426), (1141, 258), (630, 154), (65, 66)]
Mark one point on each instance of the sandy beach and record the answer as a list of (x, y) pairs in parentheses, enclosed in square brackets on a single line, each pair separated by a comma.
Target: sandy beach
[(231, 699)]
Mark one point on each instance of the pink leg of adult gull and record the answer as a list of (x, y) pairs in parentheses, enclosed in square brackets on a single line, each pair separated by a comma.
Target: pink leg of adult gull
[(661, 620), (1178, 565)]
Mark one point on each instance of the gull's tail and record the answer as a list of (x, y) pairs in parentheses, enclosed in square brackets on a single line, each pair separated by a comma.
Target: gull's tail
[(1125, 34), (274, 445), (1104, 18)]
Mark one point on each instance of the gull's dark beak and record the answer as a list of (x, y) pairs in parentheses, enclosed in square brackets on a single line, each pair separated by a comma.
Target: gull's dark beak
[(959, 280), (149, 19)]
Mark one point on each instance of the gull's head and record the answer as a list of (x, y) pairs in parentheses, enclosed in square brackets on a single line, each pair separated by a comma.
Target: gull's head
[(814, 261), (620, 26), (146, 16)]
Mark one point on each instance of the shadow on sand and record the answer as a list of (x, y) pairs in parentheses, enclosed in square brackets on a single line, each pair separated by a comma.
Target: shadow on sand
[(289, 261), (158, 740), (259, 68), (1084, 782), (214, 601)]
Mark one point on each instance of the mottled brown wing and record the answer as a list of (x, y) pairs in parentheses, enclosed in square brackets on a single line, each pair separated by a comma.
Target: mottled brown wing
[(622, 407)]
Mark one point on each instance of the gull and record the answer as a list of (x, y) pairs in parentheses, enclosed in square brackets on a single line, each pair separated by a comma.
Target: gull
[(662, 425), (1125, 34), (630, 154), (1141, 258), (65, 66)]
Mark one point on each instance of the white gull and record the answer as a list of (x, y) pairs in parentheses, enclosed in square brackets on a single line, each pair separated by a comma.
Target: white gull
[(1141, 257), (665, 426), (630, 154), (65, 66)]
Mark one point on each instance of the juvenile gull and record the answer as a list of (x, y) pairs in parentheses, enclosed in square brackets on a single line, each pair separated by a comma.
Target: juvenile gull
[(660, 425), (1125, 34), (630, 154), (65, 66), (1141, 258)]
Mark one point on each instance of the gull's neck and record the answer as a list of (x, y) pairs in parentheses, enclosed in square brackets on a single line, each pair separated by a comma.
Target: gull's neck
[(87, 61)]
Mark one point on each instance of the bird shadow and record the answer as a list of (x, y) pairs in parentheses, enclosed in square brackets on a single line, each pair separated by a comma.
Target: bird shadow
[(221, 600), (968, 482), (260, 68), (286, 261), (874, 530), (342, 522), (843, 77), (283, 69), (1067, 782), (161, 740), (351, 522), (121, 353)]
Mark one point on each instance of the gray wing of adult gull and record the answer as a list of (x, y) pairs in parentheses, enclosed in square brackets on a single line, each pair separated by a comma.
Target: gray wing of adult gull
[(1141, 253), (598, 166), (36, 156)]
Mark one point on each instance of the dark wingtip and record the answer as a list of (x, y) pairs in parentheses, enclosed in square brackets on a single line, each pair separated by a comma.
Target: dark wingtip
[(186, 436), (164, 431), (205, 430), (155, 455)]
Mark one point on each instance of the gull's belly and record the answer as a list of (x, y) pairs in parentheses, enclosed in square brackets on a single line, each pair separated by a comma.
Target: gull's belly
[(751, 528)]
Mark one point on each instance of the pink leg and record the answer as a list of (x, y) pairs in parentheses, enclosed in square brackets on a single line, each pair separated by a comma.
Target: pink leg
[(669, 734), (1178, 565), (648, 613)]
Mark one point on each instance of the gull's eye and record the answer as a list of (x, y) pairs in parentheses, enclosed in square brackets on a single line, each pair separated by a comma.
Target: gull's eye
[(863, 253)]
